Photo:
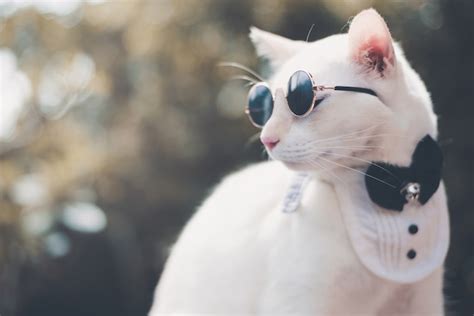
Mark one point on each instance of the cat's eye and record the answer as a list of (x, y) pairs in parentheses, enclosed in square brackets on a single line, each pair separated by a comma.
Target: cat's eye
[(301, 97), (318, 102)]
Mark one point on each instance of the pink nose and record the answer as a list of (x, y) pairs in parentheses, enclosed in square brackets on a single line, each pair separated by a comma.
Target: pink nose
[(269, 142)]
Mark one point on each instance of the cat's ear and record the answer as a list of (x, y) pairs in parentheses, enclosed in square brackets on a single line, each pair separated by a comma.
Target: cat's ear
[(370, 42), (276, 49)]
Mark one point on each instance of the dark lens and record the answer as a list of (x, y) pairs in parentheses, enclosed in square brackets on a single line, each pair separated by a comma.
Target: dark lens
[(260, 105), (300, 93)]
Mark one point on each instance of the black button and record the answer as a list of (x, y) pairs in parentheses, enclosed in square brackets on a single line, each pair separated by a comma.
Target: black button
[(411, 254), (413, 229)]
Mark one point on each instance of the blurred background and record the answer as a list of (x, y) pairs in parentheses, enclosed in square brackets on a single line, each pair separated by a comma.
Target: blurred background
[(115, 123)]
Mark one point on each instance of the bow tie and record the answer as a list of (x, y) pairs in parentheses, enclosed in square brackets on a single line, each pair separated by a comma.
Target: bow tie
[(391, 187)]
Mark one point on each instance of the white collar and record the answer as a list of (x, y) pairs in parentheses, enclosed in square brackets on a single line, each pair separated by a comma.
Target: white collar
[(403, 247), (295, 192)]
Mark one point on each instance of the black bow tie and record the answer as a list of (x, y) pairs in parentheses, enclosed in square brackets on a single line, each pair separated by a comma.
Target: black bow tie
[(391, 187)]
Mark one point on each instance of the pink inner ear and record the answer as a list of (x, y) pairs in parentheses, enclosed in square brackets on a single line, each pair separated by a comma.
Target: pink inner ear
[(370, 40)]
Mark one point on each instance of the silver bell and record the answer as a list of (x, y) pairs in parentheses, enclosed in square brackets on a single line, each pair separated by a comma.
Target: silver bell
[(411, 191)]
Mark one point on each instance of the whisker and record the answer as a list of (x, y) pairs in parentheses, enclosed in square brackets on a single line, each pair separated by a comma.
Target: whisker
[(363, 160), (310, 149), (356, 138), (358, 171), (241, 67), (316, 164), (345, 138), (244, 77), (325, 169), (353, 133), (351, 147), (314, 142), (340, 136), (309, 33), (252, 139)]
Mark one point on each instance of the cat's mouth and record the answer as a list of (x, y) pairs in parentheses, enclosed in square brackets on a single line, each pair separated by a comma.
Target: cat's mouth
[(298, 161)]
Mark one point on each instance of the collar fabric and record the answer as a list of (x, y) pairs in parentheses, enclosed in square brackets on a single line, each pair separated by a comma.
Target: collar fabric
[(397, 239), (386, 182), (402, 247)]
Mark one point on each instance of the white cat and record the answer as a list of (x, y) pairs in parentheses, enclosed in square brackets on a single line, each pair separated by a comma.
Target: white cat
[(240, 254)]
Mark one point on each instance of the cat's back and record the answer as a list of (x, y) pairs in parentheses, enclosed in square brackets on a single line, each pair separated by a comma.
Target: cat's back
[(243, 198), (240, 252), (224, 241)]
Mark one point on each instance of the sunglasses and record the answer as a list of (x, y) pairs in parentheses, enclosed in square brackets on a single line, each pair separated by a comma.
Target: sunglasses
[(301, 97)]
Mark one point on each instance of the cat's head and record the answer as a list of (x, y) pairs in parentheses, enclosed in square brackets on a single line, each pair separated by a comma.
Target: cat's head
[(346, 128)]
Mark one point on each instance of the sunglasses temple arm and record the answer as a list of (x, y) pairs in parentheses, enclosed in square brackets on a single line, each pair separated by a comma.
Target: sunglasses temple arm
[(346, 88), (322, 88), (356, 89)]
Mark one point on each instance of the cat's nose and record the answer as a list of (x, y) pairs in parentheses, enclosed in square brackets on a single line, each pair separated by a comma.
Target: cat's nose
[(269, 142)]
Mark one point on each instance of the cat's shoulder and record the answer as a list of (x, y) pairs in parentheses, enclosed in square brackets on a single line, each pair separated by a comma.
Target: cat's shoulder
[(241, 199), (258, 175), (248, 188), (266, 169)]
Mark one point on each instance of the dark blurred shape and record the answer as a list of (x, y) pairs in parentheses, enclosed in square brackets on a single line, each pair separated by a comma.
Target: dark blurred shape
[(115, 123)]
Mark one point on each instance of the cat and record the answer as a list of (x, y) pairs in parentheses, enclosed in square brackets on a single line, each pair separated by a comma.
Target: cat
[(240, 254)]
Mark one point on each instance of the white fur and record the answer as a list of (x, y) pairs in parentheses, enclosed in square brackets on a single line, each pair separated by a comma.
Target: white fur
[(241, 255)]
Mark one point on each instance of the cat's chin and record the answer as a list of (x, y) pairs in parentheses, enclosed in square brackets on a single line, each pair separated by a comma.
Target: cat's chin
[(297, 166)]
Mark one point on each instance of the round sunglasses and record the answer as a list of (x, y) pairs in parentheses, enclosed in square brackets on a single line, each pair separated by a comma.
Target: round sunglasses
[(301, 97)]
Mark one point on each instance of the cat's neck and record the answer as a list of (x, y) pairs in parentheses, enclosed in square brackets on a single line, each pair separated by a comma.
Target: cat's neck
[(339, 175)]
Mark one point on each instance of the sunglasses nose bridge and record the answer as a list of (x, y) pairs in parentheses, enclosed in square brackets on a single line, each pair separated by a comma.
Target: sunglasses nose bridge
[(280, 105), (280, 120)]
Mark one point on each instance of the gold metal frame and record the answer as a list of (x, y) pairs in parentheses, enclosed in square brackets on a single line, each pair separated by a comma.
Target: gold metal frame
[(315, 88), (247, 111)]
